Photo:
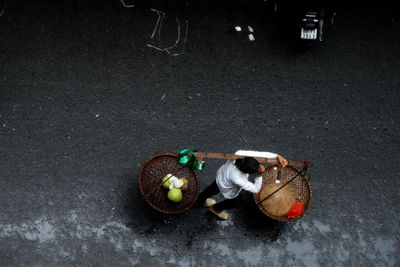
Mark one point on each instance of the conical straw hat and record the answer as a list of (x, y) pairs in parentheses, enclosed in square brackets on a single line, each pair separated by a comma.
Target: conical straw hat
[(279, 203)]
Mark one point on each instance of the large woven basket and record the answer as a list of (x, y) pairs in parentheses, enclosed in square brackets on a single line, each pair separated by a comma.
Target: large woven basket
[(300, 186), (151, 174)]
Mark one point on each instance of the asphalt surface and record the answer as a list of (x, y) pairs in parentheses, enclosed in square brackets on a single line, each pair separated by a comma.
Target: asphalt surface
[(84, 101)]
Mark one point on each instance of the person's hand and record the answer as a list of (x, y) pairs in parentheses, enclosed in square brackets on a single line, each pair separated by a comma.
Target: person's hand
[(282, 161)]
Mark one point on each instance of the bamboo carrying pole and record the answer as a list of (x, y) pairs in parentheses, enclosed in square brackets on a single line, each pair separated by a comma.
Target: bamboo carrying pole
[(219, 155)]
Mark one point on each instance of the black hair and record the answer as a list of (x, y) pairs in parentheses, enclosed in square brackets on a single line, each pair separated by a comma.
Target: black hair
[(247, 165)]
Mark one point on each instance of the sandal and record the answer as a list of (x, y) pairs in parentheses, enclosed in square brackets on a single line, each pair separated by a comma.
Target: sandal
[(223, 215)]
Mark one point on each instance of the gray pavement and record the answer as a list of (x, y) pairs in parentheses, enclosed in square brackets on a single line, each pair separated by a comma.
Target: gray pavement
[(84, 102)]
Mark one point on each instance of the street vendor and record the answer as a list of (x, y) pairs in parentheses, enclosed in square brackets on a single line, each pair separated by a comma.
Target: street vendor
[(232, 177)]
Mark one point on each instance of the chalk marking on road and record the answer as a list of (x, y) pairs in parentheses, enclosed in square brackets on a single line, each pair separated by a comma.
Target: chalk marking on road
[(333, 17), (158, 23), (184, 39), (157, 34), (126, 5), (3, 10)]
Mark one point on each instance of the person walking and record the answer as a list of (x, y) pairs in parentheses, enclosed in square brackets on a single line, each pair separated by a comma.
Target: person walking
[(232, 178)]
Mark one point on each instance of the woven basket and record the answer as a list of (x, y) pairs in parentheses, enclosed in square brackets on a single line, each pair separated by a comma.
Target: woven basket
[(300, 186), (151, 174)]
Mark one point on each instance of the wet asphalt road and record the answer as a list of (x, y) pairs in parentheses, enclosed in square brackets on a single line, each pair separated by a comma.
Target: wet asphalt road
[(84, 101)]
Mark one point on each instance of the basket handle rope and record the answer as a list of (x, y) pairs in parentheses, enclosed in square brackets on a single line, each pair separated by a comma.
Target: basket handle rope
[(305, 167)]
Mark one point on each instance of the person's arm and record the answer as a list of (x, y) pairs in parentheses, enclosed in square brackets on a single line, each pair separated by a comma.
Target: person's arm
[(248, 186)]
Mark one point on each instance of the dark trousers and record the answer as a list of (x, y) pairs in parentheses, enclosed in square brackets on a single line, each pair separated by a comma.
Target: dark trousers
[(227, 204)]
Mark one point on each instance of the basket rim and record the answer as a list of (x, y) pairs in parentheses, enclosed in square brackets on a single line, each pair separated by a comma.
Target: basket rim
[(151, 203), (285, 218)]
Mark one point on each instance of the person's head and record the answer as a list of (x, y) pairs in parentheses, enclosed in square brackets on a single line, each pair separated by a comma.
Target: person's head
[(249, 165)]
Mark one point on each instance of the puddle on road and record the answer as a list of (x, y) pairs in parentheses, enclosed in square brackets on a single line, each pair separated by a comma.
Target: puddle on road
[(323, 228), (39, 230), (325, 239)]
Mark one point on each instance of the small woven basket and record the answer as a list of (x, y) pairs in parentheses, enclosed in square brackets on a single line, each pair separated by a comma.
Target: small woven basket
[(300, 187), (151, 174)]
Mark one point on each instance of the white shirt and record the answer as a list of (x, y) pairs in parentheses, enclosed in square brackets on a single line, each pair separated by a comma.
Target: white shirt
[(231, 180)]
